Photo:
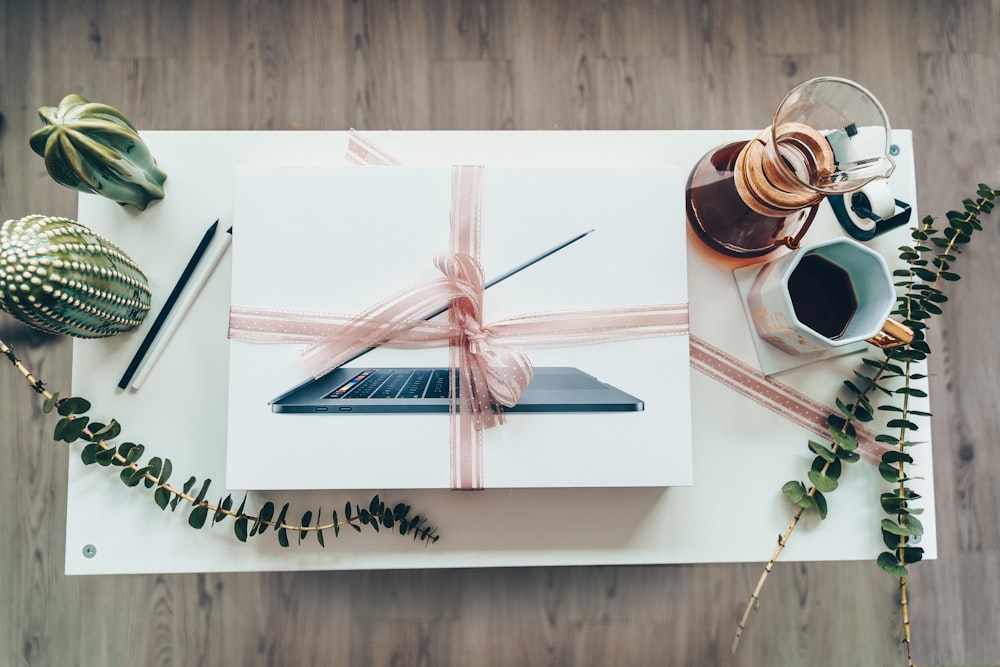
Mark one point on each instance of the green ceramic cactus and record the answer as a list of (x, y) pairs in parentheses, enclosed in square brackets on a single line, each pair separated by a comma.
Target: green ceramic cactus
[(92, 147), (58, 276)]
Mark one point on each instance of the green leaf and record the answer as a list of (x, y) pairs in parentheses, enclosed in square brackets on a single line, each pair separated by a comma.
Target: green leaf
[(824, 452), (72, 406), (888, 563), (280, 521), (831, 469), (902, 423), (320, 538), (201, 494), (50, 403), (893, 456), (913, 525), (161, 497), (822, 482), (240, 528), (105, 456), (73, 429), (336, 525), (894, 527), (265, 514), (891, 503), (821, 506), (108, 432), (168, 468), (910, 391), (197, 517), (847, 441), (888, 472), (155, 465), (283, 537), (306, 520), (795, 491), (225, 504), (848, 456), (89, 453), (134, 477), (912, 554), (130, 452)]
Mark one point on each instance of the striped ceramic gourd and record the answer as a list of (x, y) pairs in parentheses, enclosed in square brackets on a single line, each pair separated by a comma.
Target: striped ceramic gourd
[(58, 276), (92, 147)]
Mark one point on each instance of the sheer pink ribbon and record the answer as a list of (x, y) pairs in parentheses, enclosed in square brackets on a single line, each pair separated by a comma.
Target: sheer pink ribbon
[(491, 372), (705, 357)]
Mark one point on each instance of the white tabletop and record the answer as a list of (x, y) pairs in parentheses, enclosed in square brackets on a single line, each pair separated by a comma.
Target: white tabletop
[(743, 453)]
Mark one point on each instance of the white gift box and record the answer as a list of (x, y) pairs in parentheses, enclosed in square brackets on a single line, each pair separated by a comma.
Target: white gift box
[(338, 239)]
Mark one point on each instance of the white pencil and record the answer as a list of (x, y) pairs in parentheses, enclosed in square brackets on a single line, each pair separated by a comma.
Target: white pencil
[(180, 310)]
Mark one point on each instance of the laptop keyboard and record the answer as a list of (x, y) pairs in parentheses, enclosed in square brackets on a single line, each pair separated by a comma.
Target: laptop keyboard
[(418, 383)]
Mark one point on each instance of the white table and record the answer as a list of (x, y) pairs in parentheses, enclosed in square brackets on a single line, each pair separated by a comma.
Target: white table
[(743, 453)]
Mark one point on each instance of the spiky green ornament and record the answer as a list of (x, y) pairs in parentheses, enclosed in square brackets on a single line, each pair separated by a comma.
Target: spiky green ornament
[(58, 276), (93, 148)]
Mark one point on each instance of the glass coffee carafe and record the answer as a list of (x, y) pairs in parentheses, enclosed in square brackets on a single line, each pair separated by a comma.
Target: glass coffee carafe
[(748, 198)]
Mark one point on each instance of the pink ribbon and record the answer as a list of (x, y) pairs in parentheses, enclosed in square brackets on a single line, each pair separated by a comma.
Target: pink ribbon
[(481, 356), (775, 396)]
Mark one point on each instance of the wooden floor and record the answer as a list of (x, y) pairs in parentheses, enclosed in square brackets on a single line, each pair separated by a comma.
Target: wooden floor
[(518, 64)]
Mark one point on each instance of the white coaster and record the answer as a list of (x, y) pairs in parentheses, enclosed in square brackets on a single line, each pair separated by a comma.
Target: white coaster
[(772, 359)]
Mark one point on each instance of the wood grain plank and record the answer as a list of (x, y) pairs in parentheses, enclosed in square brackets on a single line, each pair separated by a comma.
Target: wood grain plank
[(524, 64)]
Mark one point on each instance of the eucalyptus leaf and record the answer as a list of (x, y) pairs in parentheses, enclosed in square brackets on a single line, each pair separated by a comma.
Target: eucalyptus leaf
[(822, 482), (89, 453), (888, 563), (888, 472), (161, 497), (305, 522), (890, 526), (198, 516), (824, 452), (240, 528), (168, 468), (109, 432), (821, 505), (265, 514), (895, 456), (912, 554), (50, 403), (155, 465), (105, 456), (74, 428), (204, 492), (74, 405)]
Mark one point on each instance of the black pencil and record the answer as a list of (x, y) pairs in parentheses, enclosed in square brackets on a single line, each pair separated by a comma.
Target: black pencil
[(140, 354)]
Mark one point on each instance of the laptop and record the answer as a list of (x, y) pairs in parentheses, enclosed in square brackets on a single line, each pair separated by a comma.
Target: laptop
[(362, 390)]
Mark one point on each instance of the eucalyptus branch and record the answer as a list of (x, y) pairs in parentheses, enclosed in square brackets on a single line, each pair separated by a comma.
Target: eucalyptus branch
[(155, 472), (930, 263), (825, 472), (921, 300)]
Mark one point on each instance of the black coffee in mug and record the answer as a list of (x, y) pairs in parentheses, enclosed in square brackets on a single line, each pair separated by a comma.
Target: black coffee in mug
[(822, 296)]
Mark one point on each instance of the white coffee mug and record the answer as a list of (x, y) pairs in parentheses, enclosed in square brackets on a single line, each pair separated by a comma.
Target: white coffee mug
[(826, 296)]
